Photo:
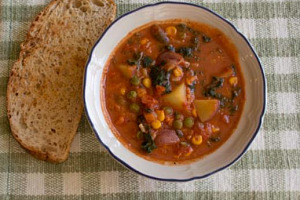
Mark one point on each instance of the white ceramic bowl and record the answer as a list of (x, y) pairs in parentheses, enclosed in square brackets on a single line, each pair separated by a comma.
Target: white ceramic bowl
[(247, 128)]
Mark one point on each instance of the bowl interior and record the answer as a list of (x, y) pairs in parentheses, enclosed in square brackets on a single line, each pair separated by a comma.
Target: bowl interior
[(253, 111)]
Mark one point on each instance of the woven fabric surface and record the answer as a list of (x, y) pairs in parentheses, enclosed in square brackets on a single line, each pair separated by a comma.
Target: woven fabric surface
[(269, 170)]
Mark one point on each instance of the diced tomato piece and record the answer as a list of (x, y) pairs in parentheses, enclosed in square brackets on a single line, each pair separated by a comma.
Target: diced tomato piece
[(150, 117), (149, 101), (160, 90)]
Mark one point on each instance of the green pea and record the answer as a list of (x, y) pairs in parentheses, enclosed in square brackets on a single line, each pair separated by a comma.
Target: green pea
[(188, 122), (178, 115), (134, 107), (168, 110), (132, 94), (121, 101), (177, 124), (135, 80)]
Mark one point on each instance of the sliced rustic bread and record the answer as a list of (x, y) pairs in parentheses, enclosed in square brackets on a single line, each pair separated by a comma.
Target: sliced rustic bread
[(44, 93)]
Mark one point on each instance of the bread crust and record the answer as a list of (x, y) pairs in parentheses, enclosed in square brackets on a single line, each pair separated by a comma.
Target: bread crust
[(33, 43)]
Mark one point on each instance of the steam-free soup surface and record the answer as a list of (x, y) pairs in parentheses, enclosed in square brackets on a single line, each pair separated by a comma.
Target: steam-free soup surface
[(174, 90)]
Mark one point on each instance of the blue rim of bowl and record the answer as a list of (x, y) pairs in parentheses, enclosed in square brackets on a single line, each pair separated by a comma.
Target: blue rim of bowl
[(196, 177)]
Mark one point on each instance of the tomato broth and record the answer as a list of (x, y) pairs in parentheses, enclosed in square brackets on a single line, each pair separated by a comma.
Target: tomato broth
[(174, 90)]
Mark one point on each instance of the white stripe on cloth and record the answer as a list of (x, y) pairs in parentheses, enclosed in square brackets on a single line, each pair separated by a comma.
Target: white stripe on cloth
[(259, 142), (286, 102), (258, 180), (223, 181), (101, 182), (35, 184), (71, 183), (3, 183), (292, 180), (290, 140), (281, 65)]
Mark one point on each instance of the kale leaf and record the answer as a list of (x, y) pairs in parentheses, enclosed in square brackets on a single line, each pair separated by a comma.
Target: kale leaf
[(147, 61), (148, 145), (160, 77), (185, 51)]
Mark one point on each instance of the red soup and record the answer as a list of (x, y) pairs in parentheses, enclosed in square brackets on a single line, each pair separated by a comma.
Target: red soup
[(174, 90)]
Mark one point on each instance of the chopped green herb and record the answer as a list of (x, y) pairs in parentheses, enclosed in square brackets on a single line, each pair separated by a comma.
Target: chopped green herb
[(139, 135), (147, 61), (181, 27), (148, 110), (185, 51), (160, 77), (181, 31), (184, 144), (205, 38), (217, 82), (215, 138), (132, 62), (148, 145), (233, 109), (140, 119), (236, 92), (196, 43), (193, 86), (233, 69), (179, 133), (136, 59), (170, 48), (178, 115)]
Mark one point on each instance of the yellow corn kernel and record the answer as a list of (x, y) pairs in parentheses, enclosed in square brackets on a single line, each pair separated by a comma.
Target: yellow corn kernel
[(123, 91), (171, 31), (147, 82), (197, 140), (160, 115), (177, 72), (194, 112), (156, 124), (233, 81), (215, 129), (144, 41)]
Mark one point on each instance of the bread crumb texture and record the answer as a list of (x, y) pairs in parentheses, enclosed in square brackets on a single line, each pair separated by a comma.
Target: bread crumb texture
[(44, 94)]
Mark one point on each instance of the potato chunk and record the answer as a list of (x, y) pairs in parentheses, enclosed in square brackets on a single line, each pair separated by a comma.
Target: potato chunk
[(177, 98), (127, 71), (206, 109)]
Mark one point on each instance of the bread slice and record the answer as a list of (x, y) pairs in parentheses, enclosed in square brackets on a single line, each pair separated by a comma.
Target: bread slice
[(44, 93)]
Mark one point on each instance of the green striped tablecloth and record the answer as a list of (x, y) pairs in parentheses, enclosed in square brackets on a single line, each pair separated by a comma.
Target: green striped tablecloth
[(269, 170)]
